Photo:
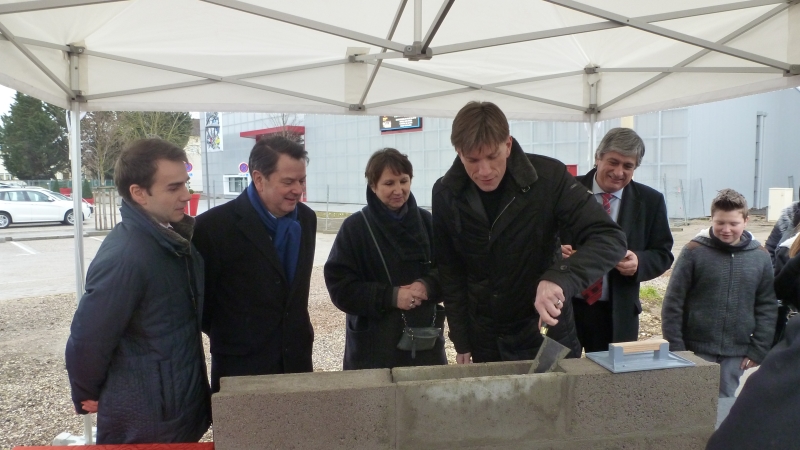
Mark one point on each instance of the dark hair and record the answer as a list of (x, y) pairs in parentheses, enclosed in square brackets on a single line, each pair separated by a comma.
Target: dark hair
[(623, 141), (729, 200), (264, 155), (478, 124), (138, 163), (387, 157)]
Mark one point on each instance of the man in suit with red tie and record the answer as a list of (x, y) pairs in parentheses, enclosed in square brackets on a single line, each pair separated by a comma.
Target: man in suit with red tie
[(608, 310)]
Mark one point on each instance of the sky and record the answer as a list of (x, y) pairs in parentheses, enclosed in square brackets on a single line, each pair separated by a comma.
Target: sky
[(6, 98)]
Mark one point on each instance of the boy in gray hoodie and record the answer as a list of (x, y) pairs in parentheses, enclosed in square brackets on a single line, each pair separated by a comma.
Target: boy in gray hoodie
[(720, 302)]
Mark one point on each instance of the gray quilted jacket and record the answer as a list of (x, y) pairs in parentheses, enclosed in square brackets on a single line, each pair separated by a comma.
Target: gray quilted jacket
[(720, 299), (135, 341)]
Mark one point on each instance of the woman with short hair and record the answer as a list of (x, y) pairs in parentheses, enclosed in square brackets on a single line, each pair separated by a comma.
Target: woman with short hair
[(381, 273)]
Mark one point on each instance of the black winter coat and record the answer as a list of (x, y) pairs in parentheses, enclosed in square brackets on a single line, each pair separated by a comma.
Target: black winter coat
[(135, 342), (766, 413), (257, 322), (489, 272), (787, 283), (643, 218), (358, 285)]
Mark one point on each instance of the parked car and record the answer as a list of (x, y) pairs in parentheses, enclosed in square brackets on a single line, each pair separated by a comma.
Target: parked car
[(22, 205), (63, 197)]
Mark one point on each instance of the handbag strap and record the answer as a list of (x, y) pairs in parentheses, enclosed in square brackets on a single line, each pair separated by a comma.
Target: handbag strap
[(380, 253), (386, 268)]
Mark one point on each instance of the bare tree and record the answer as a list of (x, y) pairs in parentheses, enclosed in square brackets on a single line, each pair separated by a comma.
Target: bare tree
[(288, 124), (173, 127), (103, 139)]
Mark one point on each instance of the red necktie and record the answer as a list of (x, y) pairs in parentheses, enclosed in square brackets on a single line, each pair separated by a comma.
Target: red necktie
[(593, 292)]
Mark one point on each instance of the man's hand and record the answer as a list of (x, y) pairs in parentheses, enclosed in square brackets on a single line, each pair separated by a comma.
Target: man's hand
[(549, 300), (566, 251), (463, 358), (629, 264), (747, 363), (89, 406)]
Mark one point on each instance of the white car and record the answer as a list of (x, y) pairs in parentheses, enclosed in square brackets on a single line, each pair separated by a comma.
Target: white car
[(21, 205)]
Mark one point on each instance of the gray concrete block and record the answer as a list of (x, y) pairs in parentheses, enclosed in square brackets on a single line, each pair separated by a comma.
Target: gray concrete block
[(483, 411), (650, 401), (330, 410)]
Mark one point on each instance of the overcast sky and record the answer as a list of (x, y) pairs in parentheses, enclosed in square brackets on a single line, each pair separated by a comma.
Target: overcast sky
[(6, 97)]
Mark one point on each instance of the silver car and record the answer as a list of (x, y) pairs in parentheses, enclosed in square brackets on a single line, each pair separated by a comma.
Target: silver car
[(25, 205)]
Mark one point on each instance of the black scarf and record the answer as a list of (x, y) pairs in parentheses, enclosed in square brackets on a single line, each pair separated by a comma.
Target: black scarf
[(406, 233)]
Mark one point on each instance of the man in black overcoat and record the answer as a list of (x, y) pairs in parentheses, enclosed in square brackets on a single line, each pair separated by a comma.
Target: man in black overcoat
[(259, 250), (609, 310)]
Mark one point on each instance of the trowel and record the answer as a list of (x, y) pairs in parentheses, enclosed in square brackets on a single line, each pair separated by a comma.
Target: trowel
[(550, 353)]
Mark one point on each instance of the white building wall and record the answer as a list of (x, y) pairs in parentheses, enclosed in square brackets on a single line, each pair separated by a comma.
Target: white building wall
[(691, 152), (723, 145)]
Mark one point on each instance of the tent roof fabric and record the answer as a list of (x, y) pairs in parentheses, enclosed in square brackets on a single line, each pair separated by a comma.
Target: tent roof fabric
[(540, 60)]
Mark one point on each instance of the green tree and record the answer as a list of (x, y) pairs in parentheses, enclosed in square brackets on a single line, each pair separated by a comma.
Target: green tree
[(86, 189), (33, 139), (175, 127)]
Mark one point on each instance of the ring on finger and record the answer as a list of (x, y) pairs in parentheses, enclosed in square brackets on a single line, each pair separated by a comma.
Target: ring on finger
[(559, 303)]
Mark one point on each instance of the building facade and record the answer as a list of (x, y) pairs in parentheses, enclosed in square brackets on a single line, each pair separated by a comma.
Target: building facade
[(749, 144)]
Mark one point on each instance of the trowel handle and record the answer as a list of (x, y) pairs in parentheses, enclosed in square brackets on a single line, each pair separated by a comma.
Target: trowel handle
[(544, 329), (640, 346)]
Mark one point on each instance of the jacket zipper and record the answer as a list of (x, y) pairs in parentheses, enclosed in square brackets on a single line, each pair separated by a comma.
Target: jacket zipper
[(728, 302), (498, 217)]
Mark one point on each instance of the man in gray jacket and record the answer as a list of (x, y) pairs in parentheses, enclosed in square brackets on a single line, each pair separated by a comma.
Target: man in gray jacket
[(720, 302), (134, 355)]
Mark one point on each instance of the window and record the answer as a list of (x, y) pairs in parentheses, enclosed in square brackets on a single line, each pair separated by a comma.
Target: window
[(13, 196), (36, 196)]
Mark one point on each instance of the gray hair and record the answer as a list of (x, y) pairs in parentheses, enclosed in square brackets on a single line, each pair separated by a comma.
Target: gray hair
[(623, 141)]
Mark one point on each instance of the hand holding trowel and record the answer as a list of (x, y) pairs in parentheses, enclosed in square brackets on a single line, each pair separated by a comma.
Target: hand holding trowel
[(551, 351)]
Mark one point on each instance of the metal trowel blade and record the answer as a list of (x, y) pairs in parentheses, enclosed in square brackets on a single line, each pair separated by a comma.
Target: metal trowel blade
[(550, 353)]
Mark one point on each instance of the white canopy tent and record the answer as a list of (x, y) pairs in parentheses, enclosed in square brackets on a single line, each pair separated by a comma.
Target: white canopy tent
[(560, 60), (542, 60)]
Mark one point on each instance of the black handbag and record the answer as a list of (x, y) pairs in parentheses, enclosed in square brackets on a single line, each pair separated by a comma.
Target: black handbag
[(413, 338)]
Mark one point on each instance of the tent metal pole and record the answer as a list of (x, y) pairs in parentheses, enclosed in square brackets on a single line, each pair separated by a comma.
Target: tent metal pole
[(417, 20), (437, 22), (691, 69), (664, 32), (77, 196), (204, 149)]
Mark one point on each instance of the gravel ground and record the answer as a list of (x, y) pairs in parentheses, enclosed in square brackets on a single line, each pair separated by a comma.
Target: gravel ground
[(35, 401)]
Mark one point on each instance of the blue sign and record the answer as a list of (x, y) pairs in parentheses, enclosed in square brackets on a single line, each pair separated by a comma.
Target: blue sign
[(243, 168), (189, 167)]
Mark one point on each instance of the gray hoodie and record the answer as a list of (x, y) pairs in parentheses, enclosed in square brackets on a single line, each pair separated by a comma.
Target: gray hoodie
[(720, 299)]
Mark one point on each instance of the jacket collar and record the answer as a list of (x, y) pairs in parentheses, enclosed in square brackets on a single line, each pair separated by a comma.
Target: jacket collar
[(176, 239), (522, 172)]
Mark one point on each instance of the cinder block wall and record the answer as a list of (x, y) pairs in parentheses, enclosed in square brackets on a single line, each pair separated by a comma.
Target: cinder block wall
[(478, 406)]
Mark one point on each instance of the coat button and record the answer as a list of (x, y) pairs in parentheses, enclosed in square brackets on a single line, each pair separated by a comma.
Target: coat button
[(278, 281), (563, 267)]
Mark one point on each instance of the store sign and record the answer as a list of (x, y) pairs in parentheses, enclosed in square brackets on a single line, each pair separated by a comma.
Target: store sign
[(395, 123)]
